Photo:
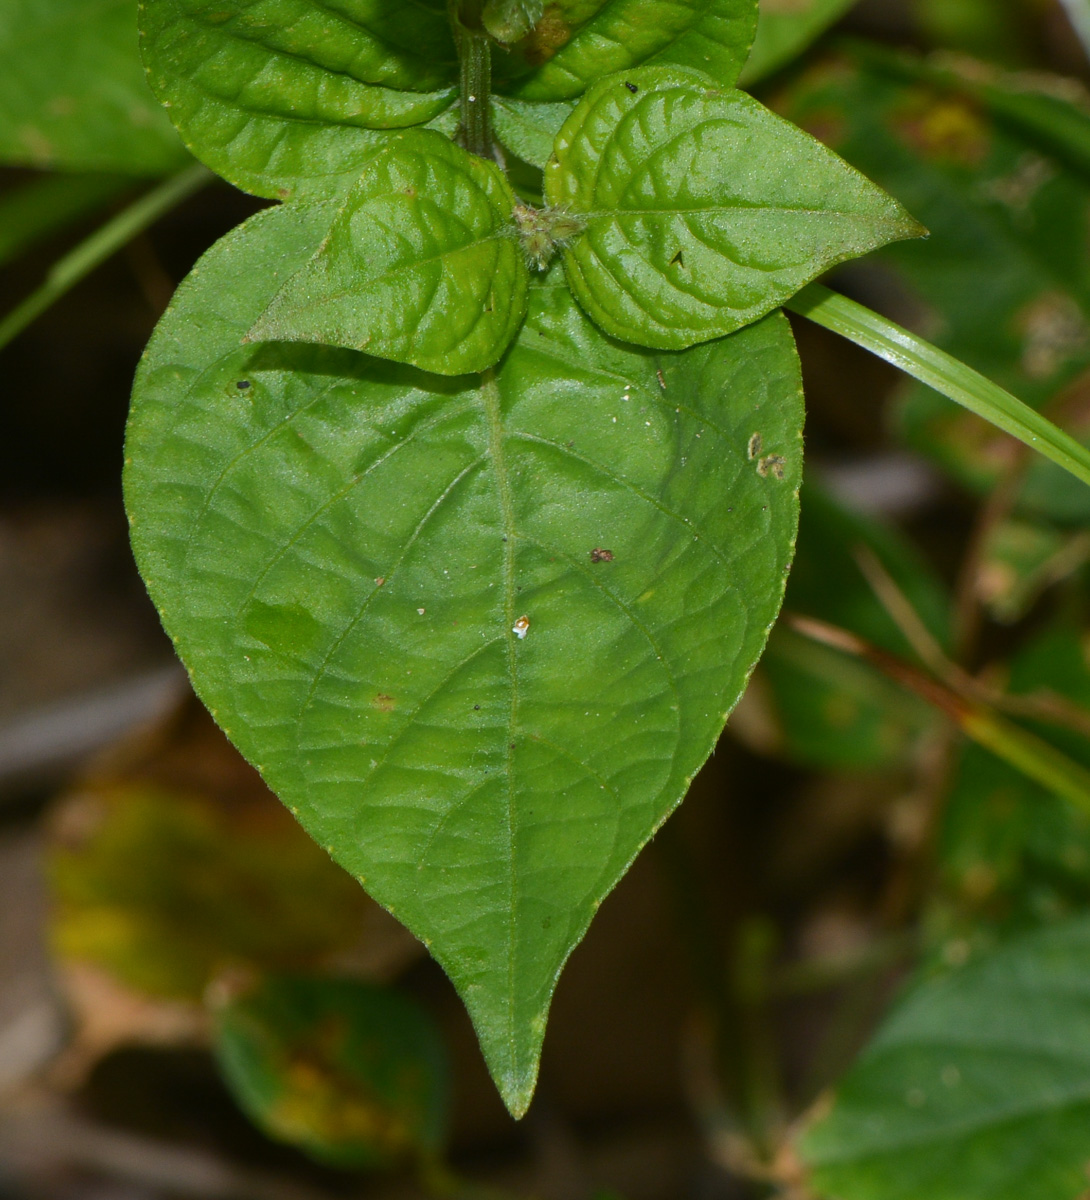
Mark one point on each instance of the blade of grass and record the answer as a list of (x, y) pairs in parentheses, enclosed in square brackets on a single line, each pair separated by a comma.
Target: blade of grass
[(43, 206), (943, 372), (104, 242)]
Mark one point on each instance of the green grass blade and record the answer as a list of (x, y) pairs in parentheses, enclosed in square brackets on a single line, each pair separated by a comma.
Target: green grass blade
[(34, 211), (104, 242), (937, 369)]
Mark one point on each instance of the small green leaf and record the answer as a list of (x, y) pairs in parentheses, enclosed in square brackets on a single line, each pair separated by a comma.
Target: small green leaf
[(421, 264), (284, 97), (72, 94), (991, 1059), (355, 1076), (704, 210), (478, 633), (577, 43), (529, 128)]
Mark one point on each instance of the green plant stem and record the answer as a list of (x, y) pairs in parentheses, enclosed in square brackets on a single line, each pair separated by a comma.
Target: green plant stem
[(104, 242), (36, 210), (475, 59), (1024, 751), (943, 372)]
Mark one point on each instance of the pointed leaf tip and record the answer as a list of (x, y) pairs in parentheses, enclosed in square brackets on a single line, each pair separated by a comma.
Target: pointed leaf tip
[(704, 210)]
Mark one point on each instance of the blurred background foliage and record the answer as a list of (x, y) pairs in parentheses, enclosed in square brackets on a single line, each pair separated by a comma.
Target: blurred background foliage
[(888, 854)]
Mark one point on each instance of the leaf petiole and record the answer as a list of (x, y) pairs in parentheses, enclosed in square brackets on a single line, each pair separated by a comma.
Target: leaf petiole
[(943, 372)]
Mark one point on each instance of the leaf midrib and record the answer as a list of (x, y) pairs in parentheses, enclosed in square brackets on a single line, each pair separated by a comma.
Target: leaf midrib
[(492, 403)]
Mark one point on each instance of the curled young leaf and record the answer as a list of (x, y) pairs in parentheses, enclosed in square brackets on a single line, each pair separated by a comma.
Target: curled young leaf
[(704, 210), (421, 264), (284, 97), (478, 633)]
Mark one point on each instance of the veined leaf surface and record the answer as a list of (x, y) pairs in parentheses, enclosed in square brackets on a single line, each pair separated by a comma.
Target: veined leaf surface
[(72, 94), (286, 97), (579, 41), (529, 128), (421, 264), (704, 210), (976, 1088), (479, 633), (282, 97)]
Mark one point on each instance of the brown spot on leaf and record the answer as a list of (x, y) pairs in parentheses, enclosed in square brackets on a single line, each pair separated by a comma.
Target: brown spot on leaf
[(546, 38), (384, 703), (771, 464)]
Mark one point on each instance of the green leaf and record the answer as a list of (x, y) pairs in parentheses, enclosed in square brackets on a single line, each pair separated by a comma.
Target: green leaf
[(284, 97), (529, 128), (976, 1088), (355, 1076), (72, 94), (420, 265), (344, 551), (704, 210), (785, 30), (579, 41)]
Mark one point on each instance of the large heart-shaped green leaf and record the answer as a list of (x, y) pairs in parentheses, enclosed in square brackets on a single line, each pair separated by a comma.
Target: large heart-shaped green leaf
[(283, 97), (704, 210), (478, 633), (421, 264), (977, 1088), (72, 94), (579, 41)]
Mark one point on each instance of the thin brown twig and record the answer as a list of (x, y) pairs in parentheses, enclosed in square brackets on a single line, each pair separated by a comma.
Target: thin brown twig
[(1039, 705)]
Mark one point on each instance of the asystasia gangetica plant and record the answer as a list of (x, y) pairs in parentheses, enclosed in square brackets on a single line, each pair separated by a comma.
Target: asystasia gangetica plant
[(466, 477)]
